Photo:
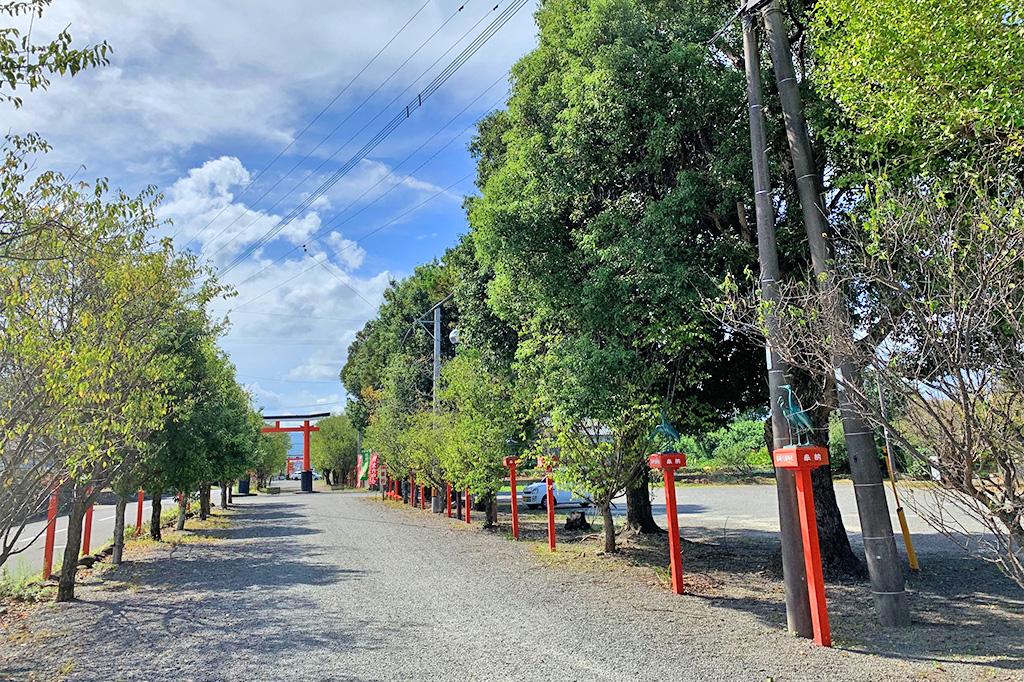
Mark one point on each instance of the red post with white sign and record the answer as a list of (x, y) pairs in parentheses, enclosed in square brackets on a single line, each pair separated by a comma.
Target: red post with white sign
[(549, 463), (51, 534), (510, 462), (139, 499), (803, 459), (668, 463), (87, 528)]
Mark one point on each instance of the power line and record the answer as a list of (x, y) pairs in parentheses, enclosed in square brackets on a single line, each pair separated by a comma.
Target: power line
[(401, 117), (299, 317), (295, 139), (374, 231), (290, 381), (349, 141), (339, 277), (332, 223)]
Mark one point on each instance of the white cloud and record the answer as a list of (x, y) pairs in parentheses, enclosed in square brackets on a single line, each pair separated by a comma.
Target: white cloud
[(184, 75), (299, 315)]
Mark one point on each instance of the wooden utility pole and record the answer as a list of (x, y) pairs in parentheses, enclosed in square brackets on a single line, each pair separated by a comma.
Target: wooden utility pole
[(798, 613), (887, 584)]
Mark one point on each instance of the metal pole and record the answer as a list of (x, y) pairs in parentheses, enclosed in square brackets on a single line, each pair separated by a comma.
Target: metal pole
[(890, 464), (798, 613), (515, 503), (887, 585), (437, 353), (550, 497)]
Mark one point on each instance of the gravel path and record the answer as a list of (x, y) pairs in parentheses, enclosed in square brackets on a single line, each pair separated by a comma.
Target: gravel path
[(341, 587)]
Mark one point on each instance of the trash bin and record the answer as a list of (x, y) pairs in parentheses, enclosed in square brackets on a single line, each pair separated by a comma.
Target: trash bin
[(307, 481)]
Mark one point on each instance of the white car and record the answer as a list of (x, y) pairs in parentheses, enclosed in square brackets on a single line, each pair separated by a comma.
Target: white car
[(535, 496)]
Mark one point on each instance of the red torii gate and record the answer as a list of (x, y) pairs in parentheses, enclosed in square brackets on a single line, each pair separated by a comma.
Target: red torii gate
[(305, 430)]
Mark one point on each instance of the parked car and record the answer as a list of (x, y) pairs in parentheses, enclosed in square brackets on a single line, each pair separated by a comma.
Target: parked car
[(535, 496)]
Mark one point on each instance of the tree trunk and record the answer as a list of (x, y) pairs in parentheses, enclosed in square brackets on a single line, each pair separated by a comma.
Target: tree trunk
[(122, 504), (69, 565), (204, 501), (609, 528), (491, 509), (182, 509), (154, 517), (231, 493), (639, 516), (837, 557), (223, 495)]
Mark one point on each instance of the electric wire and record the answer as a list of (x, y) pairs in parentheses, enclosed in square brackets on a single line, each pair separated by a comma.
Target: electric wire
[(309, 125), (333, 222), (352, 138), (417, 103), (374, 231)]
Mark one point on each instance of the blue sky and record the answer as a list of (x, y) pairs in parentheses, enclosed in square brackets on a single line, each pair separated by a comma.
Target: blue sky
[(200, 96)]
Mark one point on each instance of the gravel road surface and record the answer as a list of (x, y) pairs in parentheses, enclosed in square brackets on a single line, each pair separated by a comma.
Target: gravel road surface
[(337, 586)]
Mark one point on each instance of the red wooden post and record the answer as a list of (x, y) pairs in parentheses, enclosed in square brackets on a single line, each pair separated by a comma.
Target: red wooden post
[(51, 534), (804, 458), (812, 558), (551, 511), (87, 528), (139, 499), (412, 490), (668, 462), (548, 463), (448, 498), (467, 505), (510, 462), (423, 498)]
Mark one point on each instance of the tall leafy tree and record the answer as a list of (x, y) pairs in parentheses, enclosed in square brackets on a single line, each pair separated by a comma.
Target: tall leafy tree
[(333, 448), (610, 200)]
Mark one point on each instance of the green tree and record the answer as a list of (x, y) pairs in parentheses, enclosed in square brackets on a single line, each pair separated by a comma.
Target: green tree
[(480, 422), (923, 82), (271, 456), (610, 191), (333, 449), (28, 65)]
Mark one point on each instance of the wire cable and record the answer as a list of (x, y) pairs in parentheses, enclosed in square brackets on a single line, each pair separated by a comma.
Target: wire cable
[(337, 127), (401, 117), (333, 222), (374, 231), (309, 125)]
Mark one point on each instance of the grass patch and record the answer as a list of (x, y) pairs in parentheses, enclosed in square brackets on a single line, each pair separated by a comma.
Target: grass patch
[(23, 586)]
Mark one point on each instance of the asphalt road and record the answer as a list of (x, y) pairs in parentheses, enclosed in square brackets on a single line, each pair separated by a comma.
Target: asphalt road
[(335, 586), (723, 508), (31, 559)]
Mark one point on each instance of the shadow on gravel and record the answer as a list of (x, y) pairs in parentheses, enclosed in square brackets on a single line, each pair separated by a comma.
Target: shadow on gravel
[(964, 610)]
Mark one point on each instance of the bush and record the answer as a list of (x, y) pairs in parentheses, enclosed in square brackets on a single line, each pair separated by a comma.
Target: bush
[(738, 447)]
